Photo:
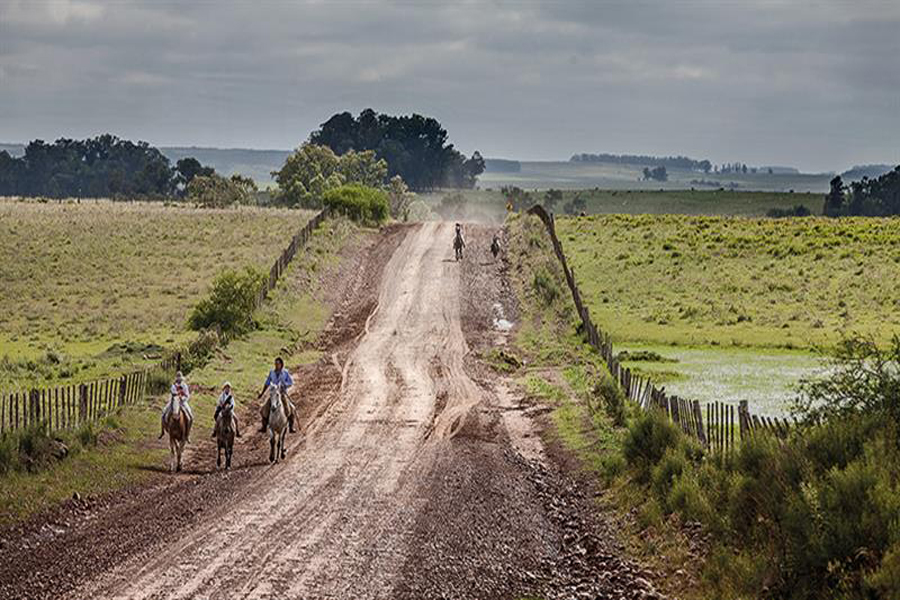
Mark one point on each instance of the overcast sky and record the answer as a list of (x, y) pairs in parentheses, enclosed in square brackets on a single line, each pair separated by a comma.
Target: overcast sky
[(810, 84)]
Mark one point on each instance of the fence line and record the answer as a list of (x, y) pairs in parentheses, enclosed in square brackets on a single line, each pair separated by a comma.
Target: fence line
[(717, 432), (70, 406)]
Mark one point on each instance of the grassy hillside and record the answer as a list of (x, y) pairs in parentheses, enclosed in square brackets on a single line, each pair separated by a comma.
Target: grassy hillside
[(786, 283), (85, 287)]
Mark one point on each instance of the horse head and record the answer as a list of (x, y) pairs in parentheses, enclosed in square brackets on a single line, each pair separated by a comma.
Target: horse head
[(275, 394)]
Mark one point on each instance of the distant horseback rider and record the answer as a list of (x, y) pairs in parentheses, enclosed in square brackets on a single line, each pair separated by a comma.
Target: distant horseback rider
[(180, 391), (495, 246), (458, 242), (226, 399), (278, 376)]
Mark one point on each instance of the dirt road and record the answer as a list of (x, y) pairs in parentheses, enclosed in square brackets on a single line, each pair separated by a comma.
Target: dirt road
[(404, 482), (334, 519)]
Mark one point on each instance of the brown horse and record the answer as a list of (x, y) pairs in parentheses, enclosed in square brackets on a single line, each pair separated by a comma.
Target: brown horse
[(178, 427)]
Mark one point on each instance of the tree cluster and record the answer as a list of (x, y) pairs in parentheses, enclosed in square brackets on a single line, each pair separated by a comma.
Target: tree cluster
[(877, 197), (100, 167), (311, 170), (215, 191), (655, 174), (415, 147), (673, 162)]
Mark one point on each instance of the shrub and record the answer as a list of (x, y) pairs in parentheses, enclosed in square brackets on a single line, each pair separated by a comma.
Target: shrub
[(798, 210), (87, 434), (837, 443), (400, 198), (647, 440), (8, 454), (35, 448), (215, 191), (669, 469), (360, 203), (231, 302), (687, 499), (612, 397), (885, 580), (545, 286), (865, 379)]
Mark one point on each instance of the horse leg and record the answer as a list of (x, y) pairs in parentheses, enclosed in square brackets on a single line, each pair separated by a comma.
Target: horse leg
[(228, 450), (179, 449), (281, 443), (271, 448), (219, 455)]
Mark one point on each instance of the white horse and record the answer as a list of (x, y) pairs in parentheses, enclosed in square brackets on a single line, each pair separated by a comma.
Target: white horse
[(278, 423), (178, 427)]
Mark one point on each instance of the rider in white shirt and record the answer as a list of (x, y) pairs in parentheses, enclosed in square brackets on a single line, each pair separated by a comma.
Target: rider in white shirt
[(181, 391)]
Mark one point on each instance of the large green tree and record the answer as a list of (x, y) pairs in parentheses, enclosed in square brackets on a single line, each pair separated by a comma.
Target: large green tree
[(312, 170), (414, 147)]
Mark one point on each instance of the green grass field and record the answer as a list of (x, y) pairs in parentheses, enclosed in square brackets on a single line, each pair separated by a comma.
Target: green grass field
[(491, 204), (764, 283), (90, 287), (574, 175)]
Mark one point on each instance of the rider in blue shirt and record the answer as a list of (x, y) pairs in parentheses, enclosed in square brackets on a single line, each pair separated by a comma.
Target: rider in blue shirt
[(278, 376)]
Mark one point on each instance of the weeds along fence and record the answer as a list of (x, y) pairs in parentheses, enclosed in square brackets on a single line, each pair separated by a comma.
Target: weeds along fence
[(69, 406), (718, 426)]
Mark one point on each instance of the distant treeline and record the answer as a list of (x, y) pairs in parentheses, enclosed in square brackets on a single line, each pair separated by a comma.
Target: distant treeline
[(877, 197), (100, 167), (415, 147), (671, 162)]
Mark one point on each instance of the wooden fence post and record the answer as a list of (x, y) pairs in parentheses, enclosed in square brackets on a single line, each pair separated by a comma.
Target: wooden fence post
[(743, 420), (34, 409), (123, 385), (82, 403)]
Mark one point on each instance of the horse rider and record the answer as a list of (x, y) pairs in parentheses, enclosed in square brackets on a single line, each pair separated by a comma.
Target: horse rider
[(495, 246), (278, 376), (458, 242), (226, 399), (180, 391)]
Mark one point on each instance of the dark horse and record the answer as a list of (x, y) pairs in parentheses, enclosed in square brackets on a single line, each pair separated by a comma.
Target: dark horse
[(458, 242), (225, 431)]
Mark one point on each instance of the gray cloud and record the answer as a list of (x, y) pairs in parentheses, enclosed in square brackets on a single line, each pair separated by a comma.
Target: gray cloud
[(812, 84)]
